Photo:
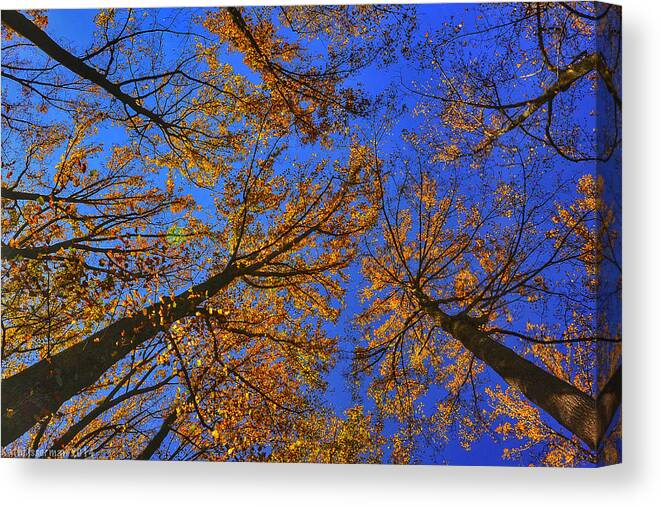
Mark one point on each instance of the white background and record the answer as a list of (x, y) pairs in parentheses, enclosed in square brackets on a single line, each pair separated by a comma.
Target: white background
[(636, 482)]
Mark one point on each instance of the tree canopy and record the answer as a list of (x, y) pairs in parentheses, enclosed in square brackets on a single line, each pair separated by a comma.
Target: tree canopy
[(338, 234)]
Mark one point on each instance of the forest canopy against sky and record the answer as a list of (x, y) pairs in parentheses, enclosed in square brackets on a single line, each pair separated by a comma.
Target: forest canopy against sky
[(336, 234)]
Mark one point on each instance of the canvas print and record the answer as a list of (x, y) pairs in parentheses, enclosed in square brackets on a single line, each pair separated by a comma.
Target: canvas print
[(385, 234)]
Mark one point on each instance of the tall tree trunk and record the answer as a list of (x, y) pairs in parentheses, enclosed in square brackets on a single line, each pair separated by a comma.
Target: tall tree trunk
[(577, 411), (43, 387)]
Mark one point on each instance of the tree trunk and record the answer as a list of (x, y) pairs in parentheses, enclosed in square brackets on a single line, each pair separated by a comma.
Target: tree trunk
[(43, 387), (577, 411)]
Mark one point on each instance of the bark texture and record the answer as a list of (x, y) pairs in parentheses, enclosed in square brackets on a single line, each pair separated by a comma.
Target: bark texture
[(40, 389), (577, 411)]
